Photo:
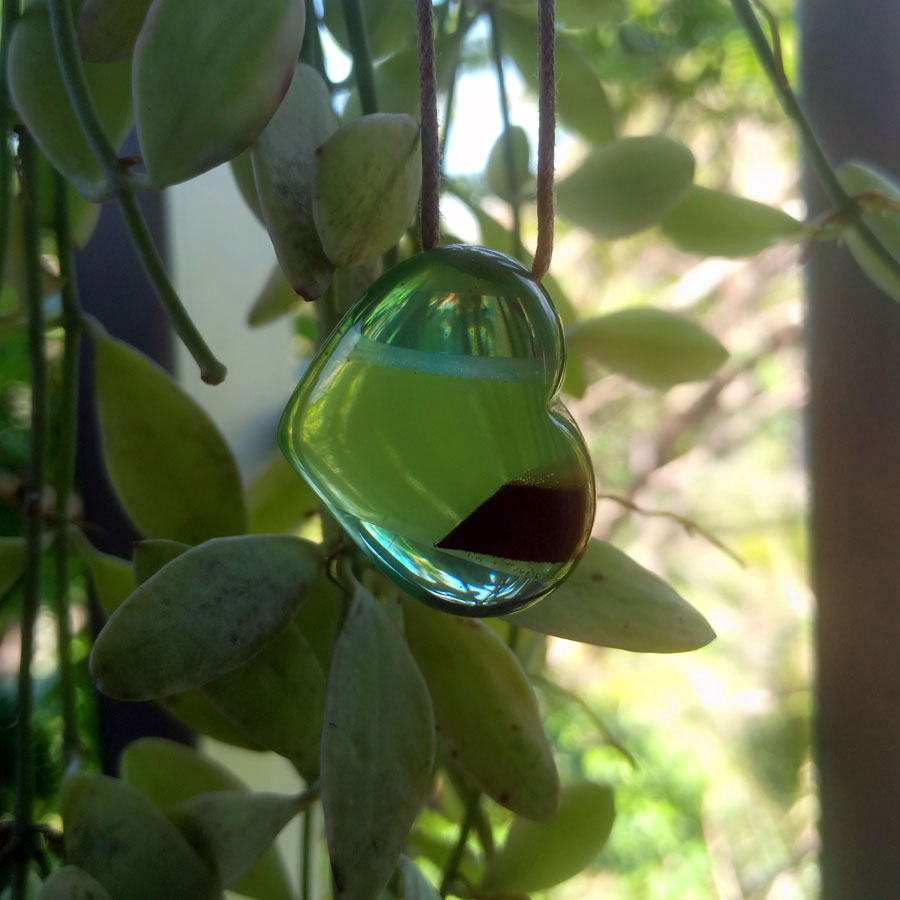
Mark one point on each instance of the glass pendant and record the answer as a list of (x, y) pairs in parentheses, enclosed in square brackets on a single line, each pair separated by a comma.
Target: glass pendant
[(431, 426)]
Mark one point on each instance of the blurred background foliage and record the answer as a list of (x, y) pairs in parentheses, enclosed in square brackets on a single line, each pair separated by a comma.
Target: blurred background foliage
[(708, 752)]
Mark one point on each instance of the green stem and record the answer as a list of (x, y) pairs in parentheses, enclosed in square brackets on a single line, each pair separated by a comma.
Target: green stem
[(34, 491), (460, 847), (814, 150), (119, 184), (65, 472), (10, 14), (211, 370), (363, 70), (509, 150), (311, 52)]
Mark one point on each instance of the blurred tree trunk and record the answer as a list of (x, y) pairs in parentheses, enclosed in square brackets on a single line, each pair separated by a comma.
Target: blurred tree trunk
[(851, 85)]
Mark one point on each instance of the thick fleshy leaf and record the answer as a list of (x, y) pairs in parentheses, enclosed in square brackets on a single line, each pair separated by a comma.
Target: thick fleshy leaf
[(367, 187), (72, 883), (485, 709), (581, 103), (652, 346), (713, 223), (279, 501), (438, 851), (415, 885), (538, 856), (12, 559), (192, 708), (278, 698), (277, 298), (107, 29), (388, 23), (170, 465), (83, 215), (498, 173), (319, 619), (151, 556), (242, 169), (857, 178), (39, 95), (170, 774), (202, 615), (113, 579), (627, 186), (113, 832), (208, 76), (611, 601), (284, 165), (377, 750), (230, 830)]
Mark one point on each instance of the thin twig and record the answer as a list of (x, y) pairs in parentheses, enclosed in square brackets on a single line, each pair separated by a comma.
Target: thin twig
[(431, 148), (363, 70), (10, 14), (459, 848), (546, 136)]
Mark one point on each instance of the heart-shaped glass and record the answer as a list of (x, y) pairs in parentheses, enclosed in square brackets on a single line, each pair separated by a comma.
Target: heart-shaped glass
[(431, 426)]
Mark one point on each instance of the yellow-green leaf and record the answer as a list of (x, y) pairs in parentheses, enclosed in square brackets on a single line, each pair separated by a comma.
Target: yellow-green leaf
[(170, 465), (113, 579), (169, 774), (415, 885), (377, 750), (713, 223), (627, 185), (151, 556), (40, 97), (611, 601), (652, 346), (203, 615), (367, 187), (72, 883), (113, 832), (279, 500), (12, 559), (83, 215), (485, 709), (242, 170), (208, 76), (107, 29), (536, 857), (191, 708), (277, 298)]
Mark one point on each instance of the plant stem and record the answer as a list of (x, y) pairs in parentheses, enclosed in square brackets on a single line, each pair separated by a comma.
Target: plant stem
[(306, 856), (814, 150), (211, 370), (120, 185), (10, 14), (34, 491), (459, 848), (363, 70), (65, 472), (311, 51), (509, 150)]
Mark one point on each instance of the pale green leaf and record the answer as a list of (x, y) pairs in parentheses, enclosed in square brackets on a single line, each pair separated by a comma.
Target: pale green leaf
[(169, 463), (242, 170), (193, 709), (627, 186), (202, 615), (377, 750), (83, 215), (500, 178), (113, 578), (415, 885), (208, 76), (277, 298), (284, 164), (713, 223), (538, 856), (113, 832), (367, 187), (485, 709), (611, 601), (652, 346), (279, 501), (107, 29), (72, 883)]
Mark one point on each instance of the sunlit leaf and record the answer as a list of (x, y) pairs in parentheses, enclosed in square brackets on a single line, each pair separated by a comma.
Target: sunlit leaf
[(485, 709), (231, 830), (113, 832), (538, 856), (279, 501), (438, 850), (367, 187), (278, 697), (169, 774), (202, 615), (40, 97), (377, 750), (712, 223), (12, 559), (415, 885), (208, 76), (627, 186), (284, 164), (107, 29), (72, 883), (611, 601), (581, 102), (857, 178), (169, 463), (649, 345)]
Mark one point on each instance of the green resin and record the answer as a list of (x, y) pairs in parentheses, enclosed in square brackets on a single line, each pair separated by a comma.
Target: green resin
[(430, 424)]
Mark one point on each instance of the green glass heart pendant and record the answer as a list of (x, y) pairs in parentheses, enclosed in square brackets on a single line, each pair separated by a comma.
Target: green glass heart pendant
[(431, 426)]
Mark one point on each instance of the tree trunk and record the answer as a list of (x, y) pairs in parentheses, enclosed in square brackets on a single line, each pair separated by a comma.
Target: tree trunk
[(851, 85)]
